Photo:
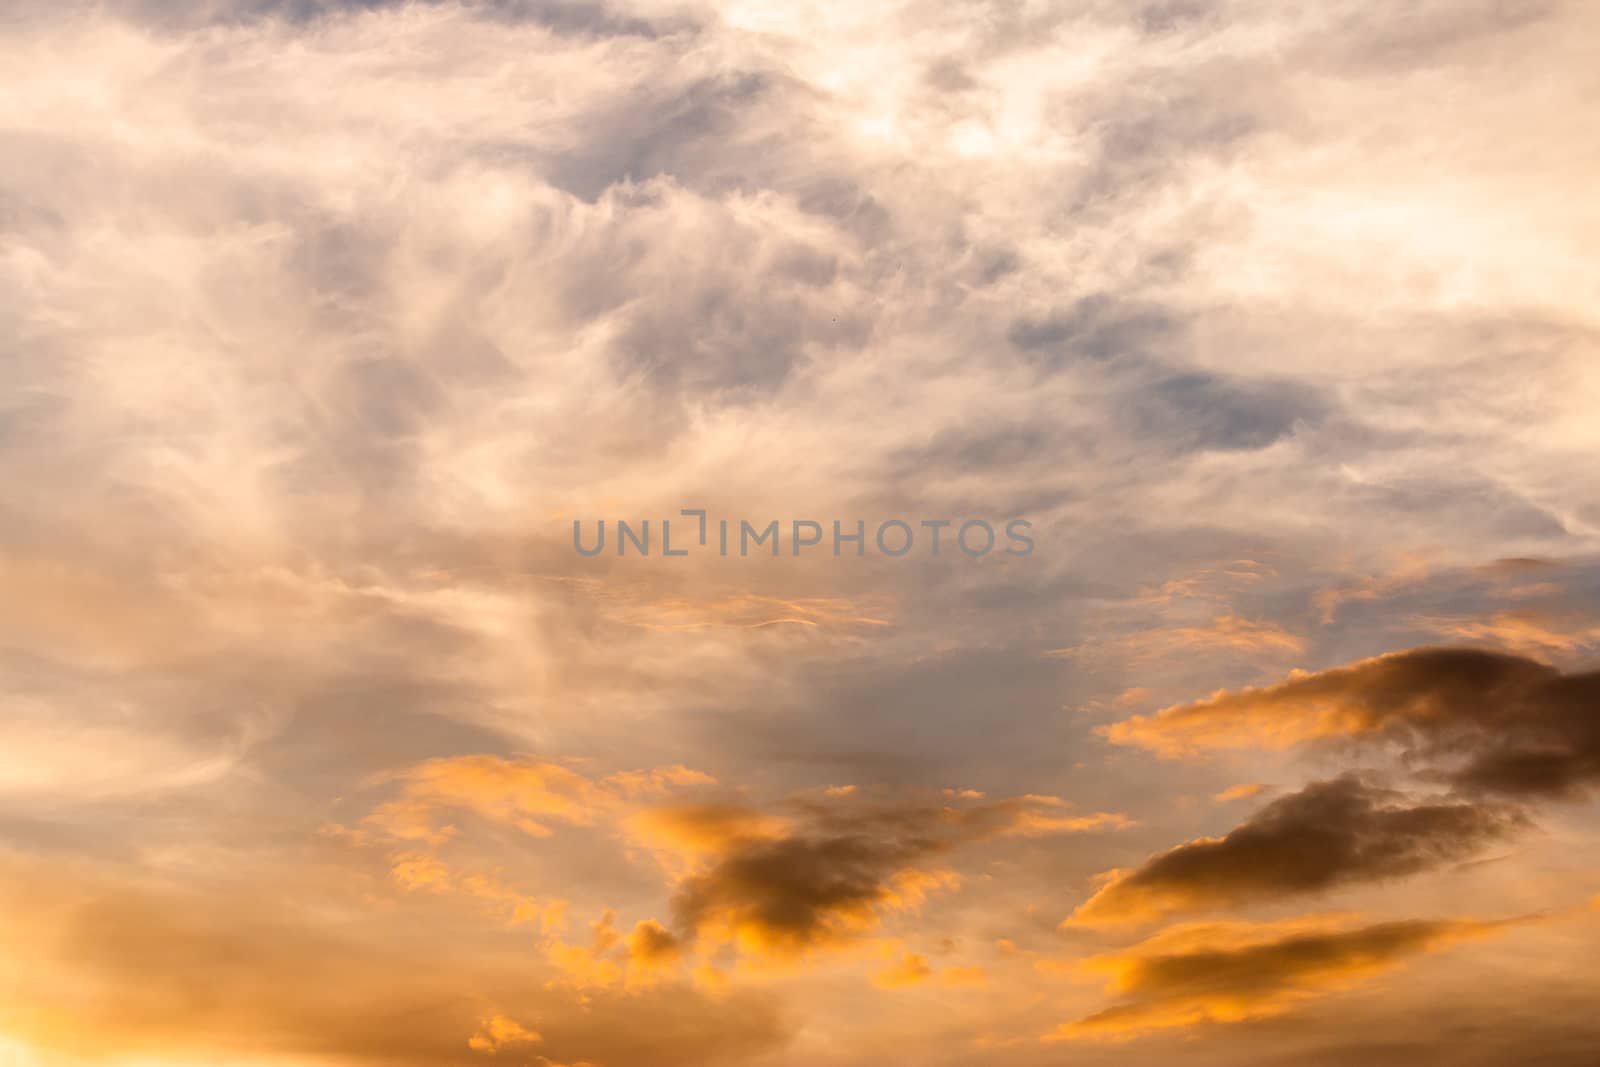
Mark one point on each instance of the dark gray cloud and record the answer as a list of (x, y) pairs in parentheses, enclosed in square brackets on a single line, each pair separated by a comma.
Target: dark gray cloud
[(790, 893), (1485, 721), (1329, 834), (797, 893)]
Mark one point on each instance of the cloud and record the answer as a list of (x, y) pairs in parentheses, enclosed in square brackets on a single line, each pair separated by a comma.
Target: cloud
[(1188, 976), (1220, 634), (499, 1032), (1329, 834), (426, 873), (1243, 791), (644, 958), (825, 877), (814, 872), (694, 830), (136, 967), (792, 895), (1531, 632), (651, 945), (1202, 411), (1485, 721), (322, 319), (911, 969), (526, 794)]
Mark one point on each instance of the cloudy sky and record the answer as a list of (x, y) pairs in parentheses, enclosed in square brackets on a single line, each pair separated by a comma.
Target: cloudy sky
[(322, 323)]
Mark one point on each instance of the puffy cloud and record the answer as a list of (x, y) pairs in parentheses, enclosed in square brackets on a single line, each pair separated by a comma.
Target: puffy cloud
[(1329, 834), (643, 958), (788, 896), (651, 945)]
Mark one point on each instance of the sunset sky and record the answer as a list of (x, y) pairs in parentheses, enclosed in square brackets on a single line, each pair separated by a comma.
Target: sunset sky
[(321, 323)]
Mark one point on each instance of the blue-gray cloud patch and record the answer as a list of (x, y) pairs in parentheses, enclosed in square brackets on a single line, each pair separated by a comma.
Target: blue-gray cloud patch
[(1200, 411)]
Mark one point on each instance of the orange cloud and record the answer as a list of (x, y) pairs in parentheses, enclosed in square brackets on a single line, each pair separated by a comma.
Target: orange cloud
[(1234, 972), (788, 896), (657, 782), (814, 875), (1034, 823), (500, 1031), (421, 872), (106, 969), (910, 969), (694, 830), (1531, 632), (525, 794), (1326, 835), (1243, 791), (1487, 721), (652, 946)]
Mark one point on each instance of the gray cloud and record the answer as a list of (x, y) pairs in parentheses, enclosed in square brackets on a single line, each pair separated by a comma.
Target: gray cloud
[(1486, 721), (1327, 835)]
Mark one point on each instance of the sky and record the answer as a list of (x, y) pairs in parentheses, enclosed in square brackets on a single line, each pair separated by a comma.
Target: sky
[(325, 326)]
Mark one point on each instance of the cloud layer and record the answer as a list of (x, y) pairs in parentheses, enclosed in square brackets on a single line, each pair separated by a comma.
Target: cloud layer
[(321, 321)]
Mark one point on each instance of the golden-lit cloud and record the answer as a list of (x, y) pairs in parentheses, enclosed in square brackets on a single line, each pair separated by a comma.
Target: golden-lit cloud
[(911, 969), (1329, 834), (810, 874), (827, 876), (1231, 973), (694, 830), (651, 945), (643, 958), (135, 970), (1531, 632), (1488, 720), (1242, 791), (427, 873), (501, 1032), (527, 795), (792, 895)]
